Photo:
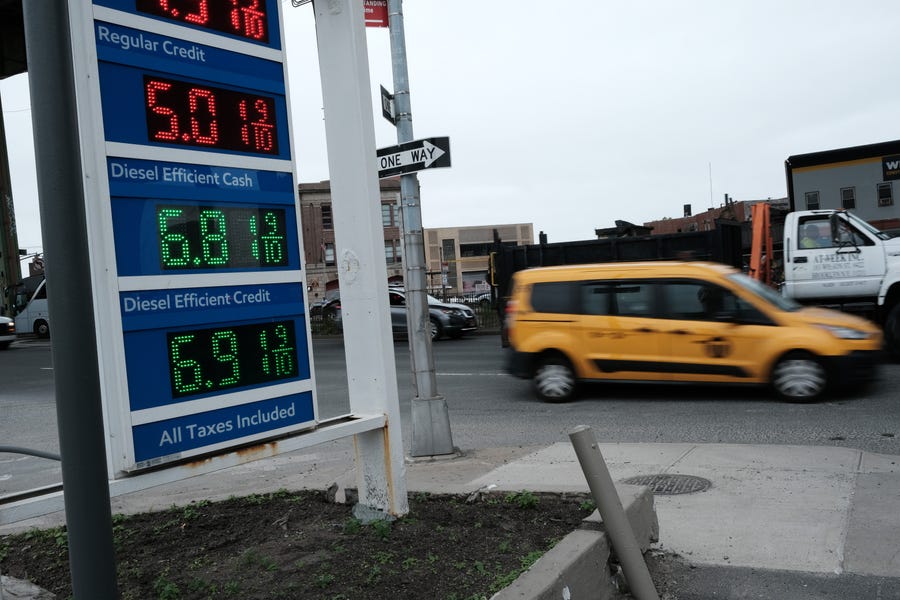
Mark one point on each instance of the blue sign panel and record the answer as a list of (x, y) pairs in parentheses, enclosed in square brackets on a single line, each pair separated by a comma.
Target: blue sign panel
[(156, 237), (127, 46), (174, 436), (175, 111), (254, 21), (137, 178), (148, 309), (167, 366), (196, 343)]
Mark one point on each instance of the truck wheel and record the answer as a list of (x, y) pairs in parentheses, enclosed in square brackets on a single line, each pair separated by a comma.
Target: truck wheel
[(799, 377), (554, 379), (892, 332), (42, 329)]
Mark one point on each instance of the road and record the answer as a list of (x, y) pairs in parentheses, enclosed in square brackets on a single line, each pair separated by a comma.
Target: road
[(491, 409)]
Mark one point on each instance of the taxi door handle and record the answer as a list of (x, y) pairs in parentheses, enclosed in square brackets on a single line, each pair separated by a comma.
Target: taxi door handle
[(645, 330), (680, 332), (800, 259)]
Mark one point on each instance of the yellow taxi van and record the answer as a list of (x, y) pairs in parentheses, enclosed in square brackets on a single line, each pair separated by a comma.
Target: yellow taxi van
[(678, 322)]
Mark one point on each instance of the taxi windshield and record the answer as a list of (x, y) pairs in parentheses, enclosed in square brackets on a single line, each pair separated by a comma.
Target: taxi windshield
[(765, 292)]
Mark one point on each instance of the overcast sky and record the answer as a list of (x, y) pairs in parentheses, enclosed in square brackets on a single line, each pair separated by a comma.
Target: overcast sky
[(570, 115)]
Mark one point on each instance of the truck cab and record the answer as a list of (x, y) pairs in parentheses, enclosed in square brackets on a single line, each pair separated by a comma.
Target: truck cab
[(835, 255), (833, 258)]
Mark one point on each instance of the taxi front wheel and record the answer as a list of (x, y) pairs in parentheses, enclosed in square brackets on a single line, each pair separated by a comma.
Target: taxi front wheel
[(799, 377), (554, 379)]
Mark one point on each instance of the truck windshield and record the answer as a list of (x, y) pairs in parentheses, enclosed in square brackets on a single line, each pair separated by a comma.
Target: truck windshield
[(863, 225), (764, 291)]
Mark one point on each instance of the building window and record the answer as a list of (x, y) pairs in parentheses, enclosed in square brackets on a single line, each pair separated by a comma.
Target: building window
[(329, 255), (885, 194), (387, 215), (812, 200), (327, 223), (848, 198), (392, 253), (470, 250)]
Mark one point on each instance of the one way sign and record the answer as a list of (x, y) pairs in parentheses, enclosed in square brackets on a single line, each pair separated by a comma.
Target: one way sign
[(414, 156)]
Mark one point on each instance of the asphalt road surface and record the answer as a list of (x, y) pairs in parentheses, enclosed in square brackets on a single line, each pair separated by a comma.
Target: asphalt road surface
[(490, 409)]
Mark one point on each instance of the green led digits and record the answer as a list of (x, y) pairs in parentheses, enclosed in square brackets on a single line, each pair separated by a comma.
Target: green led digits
[(209, 360), (280, 351), (185, 372), (224, 350), (173, 246), (212, 237), (221, 237), (273, 241)]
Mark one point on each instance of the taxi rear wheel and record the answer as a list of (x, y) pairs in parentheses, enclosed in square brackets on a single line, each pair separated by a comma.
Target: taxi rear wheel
[(554, 379), (799, 377)]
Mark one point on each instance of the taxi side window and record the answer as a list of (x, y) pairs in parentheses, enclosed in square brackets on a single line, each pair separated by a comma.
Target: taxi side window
[(553, 297), (701, 301), (685, 301), (595, 299), (634, 299)]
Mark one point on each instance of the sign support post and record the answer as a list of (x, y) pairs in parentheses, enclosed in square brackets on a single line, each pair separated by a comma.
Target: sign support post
[(431, 433), (78, 404), (355, 192)]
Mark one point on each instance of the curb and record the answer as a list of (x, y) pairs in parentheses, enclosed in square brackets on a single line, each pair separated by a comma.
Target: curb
[(582, 564)]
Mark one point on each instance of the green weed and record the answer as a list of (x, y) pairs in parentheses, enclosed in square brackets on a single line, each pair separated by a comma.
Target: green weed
[(523, 499)]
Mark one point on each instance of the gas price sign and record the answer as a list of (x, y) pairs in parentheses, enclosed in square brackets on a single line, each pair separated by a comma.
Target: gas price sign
[(179, 112), (209, 319), (223, 237), (245, 18)]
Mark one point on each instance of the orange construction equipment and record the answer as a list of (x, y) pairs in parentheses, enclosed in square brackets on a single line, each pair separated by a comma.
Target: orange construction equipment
[(761, 244)]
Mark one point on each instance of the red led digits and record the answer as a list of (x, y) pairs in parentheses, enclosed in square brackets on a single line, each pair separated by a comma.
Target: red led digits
[(153, 88), (207, 110), (259, 133), (244, 18), (179, 112), (249, 19)]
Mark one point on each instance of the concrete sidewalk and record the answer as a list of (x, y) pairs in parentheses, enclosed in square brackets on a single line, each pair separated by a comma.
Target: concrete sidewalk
[(800, 508), (796, 508)]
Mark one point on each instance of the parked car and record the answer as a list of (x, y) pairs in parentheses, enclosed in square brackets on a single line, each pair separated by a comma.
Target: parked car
[(470, 298), (446, 319), (679, 322), (326, 310), (7, 332)]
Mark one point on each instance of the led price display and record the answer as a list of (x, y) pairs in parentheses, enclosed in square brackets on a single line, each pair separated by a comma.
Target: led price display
[(209, 237), (209, 360), (244, 18), (190, 114)]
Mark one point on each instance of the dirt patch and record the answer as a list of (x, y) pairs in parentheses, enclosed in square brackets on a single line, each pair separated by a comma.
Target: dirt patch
[(300, 545)]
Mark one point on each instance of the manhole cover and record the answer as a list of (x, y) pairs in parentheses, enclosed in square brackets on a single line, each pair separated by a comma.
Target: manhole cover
[(669, 485)]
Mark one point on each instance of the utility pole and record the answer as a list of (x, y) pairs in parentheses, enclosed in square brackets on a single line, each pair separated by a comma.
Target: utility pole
[(430, 418)]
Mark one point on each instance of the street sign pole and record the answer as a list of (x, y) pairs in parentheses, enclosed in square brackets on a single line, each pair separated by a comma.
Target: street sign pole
[(431, 433)]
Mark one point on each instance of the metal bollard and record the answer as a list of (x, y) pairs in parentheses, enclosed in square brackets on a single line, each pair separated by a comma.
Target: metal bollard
[(610, 506)]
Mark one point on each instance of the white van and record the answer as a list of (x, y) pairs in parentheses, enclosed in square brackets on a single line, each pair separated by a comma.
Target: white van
[(30, 306)]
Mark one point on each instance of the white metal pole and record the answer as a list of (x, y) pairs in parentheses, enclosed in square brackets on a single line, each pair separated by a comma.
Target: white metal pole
[(359, 240)]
